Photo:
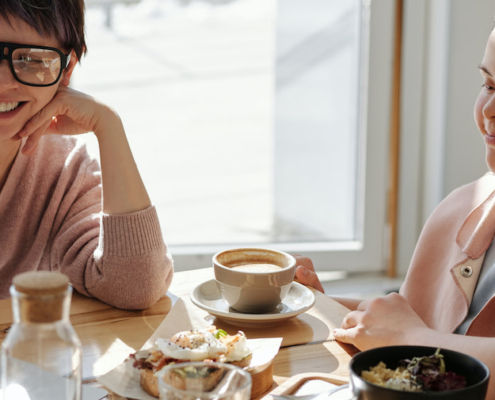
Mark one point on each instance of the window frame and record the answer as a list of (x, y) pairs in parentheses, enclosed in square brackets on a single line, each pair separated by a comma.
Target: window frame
[(371, 250)]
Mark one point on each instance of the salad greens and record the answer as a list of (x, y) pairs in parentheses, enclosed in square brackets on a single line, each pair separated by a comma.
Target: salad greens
[(430, 373)]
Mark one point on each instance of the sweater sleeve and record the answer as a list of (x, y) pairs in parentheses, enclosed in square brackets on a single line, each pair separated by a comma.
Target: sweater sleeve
[(119, 259)]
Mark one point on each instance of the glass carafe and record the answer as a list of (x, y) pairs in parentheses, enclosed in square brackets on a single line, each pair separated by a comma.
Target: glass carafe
[(41, 357)]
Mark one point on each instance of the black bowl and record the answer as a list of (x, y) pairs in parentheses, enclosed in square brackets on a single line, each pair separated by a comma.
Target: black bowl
[(476, 373)]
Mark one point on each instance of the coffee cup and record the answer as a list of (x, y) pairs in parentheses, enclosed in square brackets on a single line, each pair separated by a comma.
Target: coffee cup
[(252, 280)]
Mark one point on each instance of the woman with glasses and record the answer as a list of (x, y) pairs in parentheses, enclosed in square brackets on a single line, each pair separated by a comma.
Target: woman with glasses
[(61, 209)]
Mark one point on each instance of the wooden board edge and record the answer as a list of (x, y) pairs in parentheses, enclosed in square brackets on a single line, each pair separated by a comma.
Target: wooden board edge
[(295, 382)]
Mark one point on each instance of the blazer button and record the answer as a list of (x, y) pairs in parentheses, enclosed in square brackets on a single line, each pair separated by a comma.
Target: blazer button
[(466, 271)]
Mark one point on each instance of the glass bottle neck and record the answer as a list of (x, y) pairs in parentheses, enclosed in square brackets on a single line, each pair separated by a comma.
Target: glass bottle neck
[(40, 308)]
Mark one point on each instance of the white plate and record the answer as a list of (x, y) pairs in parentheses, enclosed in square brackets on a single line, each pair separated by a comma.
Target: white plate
[(208, 297)]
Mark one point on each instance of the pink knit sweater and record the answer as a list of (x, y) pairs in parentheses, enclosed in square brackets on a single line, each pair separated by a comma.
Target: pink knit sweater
[(51, 219)]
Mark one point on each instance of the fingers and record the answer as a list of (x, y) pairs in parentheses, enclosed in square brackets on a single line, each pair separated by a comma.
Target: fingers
[(33, 139), (42, 120), (351, 319), (15, 137), (345, 335), (307, 276), (56, 106), (364, 305), (305, 261), (305, 273), (349, 331)]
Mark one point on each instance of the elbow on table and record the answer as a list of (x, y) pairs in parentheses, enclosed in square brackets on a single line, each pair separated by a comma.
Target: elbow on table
[(135, 291), (136, 303), (150, 292)]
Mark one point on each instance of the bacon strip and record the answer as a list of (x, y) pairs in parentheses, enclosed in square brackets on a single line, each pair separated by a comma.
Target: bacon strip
[(156, 361)]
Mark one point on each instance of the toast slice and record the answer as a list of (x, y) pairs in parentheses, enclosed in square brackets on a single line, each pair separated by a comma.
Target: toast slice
[(203, 380)]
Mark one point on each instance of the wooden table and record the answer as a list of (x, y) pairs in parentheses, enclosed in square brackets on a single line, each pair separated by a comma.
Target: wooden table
[(108, 334)]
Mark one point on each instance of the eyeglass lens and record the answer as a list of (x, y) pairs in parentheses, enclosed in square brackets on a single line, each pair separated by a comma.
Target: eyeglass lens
[(36, 66)]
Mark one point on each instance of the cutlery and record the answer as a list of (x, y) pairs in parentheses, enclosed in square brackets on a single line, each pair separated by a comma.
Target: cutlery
[(315, 396)]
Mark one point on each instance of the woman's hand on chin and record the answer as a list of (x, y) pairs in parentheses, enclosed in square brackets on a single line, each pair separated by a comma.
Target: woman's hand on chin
[(69, 113)]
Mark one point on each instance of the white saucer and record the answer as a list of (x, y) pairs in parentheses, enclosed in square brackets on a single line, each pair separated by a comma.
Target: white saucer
[(208, 297)]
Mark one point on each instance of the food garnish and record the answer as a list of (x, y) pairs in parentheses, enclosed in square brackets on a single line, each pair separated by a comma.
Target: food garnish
[(420, 374), (432, 373), (220, 333)]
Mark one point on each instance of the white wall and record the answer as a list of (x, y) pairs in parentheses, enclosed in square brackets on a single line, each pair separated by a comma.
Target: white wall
[(441, 149), (471, 24)]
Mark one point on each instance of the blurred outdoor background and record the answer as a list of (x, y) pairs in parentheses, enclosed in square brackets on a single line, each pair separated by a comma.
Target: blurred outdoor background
[(193, 84), (242, 114)]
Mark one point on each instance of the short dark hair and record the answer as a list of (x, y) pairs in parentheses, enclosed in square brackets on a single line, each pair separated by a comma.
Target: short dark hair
[(61, 19)]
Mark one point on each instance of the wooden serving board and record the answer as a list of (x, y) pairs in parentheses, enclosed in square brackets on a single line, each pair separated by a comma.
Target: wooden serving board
[(262, 381), (313, 326)]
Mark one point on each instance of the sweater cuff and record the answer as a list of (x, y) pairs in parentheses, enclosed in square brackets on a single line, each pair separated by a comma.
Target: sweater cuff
[(130, 235)]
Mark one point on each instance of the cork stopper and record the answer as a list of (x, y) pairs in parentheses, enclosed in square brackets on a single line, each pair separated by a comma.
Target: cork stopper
[(43, 299)]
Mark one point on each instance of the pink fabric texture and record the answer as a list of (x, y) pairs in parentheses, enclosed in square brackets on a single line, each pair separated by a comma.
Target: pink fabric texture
[(51, 219), (460, 230)]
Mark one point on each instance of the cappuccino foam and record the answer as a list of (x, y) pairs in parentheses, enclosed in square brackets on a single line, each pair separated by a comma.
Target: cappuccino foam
[(259, 268)]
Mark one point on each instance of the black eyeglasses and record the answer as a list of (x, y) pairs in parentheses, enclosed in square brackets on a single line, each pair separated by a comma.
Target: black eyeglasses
[(34, 65)]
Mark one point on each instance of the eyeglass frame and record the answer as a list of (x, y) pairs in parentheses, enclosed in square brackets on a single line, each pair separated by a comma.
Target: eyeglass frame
[(64, 59)]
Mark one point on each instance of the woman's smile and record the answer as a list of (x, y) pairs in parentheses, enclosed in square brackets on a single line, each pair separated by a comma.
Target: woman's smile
[(7, 107), (490, 140), (10, 109)]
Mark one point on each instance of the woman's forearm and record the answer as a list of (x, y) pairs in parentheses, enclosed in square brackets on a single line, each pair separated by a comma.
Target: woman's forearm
[(123, 189), (351, 304)]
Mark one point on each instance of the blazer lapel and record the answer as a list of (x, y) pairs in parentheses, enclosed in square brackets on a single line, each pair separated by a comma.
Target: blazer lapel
[(474, 238), (476, 233)]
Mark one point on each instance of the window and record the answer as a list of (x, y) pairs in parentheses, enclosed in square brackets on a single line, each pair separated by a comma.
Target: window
[(253, 122)]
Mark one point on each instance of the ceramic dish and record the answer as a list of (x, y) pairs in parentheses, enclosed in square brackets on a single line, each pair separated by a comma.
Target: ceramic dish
[(475, 372), (207, 297)]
